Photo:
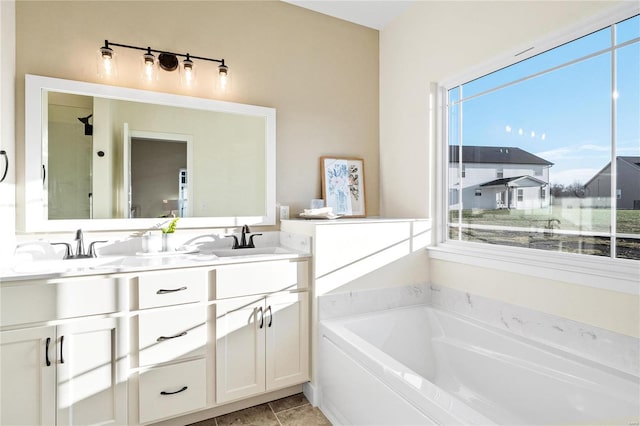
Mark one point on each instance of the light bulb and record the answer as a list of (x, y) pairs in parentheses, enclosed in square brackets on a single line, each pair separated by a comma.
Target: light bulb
[(148, 66), (106, 63), (187, 71), (223, 78)]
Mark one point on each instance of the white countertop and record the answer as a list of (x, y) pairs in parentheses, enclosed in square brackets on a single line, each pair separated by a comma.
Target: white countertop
[(124, 257), (48, 269)]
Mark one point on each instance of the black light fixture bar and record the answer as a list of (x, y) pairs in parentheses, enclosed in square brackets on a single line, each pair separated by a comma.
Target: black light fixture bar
[(108, 43)]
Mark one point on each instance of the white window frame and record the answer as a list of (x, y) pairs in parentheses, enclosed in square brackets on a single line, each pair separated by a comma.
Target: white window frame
[(621, 275)]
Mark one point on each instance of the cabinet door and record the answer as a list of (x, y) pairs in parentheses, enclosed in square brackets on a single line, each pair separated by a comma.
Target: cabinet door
[(240, 328), (27, 383), (90, 387), (287, 340)]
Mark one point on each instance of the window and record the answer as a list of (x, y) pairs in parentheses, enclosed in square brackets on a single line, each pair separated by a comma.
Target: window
[(564, 119), (464, 170)]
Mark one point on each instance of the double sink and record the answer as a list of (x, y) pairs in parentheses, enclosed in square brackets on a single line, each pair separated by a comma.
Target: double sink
[(120, 263)]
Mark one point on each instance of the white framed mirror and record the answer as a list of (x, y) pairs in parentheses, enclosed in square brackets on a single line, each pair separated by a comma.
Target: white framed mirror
[(102, 157)]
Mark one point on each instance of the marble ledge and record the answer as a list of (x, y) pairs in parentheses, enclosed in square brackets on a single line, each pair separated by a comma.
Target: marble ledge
[(602, 346)]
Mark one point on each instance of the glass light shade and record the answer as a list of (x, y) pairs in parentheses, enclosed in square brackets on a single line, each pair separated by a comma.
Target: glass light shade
[(149, 67), (106, 63), (223, 82), (187, 73)]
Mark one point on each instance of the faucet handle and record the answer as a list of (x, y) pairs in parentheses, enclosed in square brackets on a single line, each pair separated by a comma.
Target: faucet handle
[(92, 248), (67, 251), (251, 245), (235, 241)]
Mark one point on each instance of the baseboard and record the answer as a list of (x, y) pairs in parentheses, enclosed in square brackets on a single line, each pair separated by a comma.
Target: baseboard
[(312, 393)]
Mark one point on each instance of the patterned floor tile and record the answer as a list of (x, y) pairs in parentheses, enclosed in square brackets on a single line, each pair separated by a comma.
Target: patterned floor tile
[(303, 416), (292, 401), (260, 415)]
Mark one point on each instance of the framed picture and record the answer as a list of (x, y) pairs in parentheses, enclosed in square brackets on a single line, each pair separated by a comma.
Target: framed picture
[(343, 185)]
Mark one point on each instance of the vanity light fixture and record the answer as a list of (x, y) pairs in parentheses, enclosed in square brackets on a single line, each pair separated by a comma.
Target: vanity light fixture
[(167, 61)]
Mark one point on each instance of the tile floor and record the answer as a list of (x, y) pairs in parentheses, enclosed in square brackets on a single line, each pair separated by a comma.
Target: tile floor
[(294, 410)]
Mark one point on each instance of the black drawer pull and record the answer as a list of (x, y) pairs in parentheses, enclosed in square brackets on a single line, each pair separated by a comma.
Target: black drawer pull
[(6, 164), (184, 388), (261, 316), (46, 352), (61, 344), (163, 338), (270, 315), (163, 291)]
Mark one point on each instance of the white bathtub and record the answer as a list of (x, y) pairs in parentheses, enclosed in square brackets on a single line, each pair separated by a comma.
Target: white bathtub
[(420, 365)]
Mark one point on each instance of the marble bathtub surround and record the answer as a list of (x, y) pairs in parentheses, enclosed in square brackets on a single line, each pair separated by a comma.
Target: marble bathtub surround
[(363, 301), (604, 347), (294, 410)]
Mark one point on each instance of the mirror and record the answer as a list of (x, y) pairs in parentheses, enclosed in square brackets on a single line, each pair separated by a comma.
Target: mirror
[(102, 157)]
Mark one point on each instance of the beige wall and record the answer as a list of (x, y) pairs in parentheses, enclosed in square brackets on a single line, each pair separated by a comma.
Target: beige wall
[(320, 73), (436, 40)]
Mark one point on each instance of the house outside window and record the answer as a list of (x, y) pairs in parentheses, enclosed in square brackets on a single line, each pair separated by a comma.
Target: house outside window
[(535, 101)]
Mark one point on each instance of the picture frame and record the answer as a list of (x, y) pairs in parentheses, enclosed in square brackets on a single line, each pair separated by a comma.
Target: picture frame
[(343, 185)]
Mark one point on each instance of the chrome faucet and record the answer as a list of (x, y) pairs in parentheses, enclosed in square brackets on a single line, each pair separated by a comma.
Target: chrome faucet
[(80, 244), (243, 239), (80, 253)]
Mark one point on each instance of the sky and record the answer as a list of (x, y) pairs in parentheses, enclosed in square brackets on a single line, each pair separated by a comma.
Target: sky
[(563, 116)]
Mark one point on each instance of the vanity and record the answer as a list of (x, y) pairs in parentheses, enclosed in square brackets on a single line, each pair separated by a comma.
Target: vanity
[(138, 341), (129, 339)]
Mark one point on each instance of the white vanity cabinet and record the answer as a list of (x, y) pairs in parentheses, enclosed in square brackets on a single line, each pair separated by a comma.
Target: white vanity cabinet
[(262, 339), (72, 373), (27, 382), (139, 347)]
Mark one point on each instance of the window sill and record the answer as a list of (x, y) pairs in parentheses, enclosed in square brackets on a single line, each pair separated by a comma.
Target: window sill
[(619, 275)]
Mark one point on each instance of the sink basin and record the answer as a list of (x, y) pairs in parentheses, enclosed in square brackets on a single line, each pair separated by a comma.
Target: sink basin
[(258, 251)]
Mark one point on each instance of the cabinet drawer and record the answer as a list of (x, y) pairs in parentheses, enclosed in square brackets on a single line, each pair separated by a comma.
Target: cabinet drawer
[(171, 288), (172, 390), (256, 278), (167, 335), (45, 301)]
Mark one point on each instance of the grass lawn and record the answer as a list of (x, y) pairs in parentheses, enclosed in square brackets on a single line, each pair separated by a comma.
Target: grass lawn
[(576, 219), (597, 220)]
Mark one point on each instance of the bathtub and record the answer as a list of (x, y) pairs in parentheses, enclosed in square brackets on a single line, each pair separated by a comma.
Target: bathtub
[(421, 365)]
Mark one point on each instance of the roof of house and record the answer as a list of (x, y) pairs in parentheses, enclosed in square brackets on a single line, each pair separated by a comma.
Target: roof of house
[(495, 154), (520, 181), (633, 162)]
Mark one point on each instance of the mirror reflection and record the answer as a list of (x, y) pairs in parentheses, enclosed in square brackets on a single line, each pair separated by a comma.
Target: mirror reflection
[(109, 158)]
